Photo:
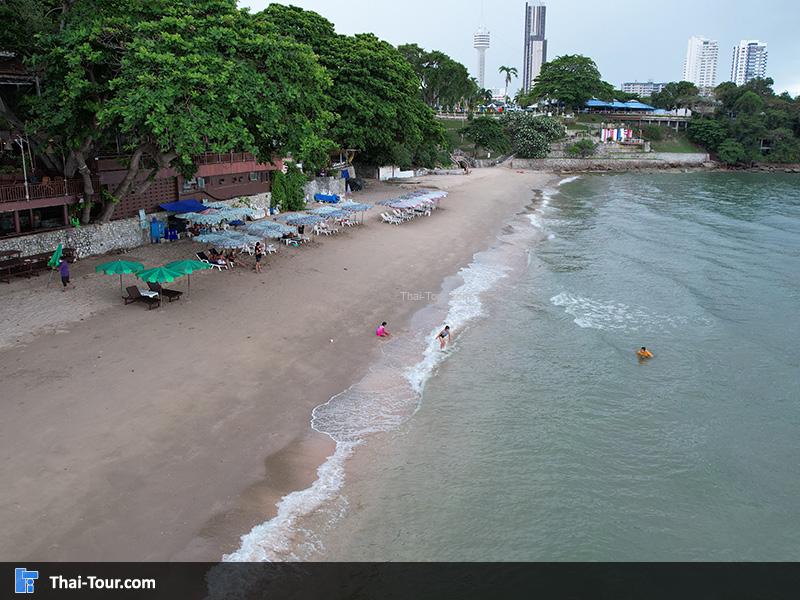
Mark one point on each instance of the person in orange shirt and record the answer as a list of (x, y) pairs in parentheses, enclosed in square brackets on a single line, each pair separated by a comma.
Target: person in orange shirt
[(644, 353)]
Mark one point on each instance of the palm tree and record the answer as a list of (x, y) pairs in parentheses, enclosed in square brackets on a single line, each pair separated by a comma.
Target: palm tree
[(510, 72)]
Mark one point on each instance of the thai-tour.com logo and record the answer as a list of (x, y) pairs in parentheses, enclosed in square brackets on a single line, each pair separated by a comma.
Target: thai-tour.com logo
[(24, 580)]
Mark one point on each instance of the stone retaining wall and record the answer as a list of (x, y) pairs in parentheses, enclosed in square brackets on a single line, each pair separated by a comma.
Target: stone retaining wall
[(653, 160), (89, 240), (324, 185)]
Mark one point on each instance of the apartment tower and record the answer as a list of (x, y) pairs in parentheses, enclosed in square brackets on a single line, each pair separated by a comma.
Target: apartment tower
[(535, 43), (700, 67), (749, 61)]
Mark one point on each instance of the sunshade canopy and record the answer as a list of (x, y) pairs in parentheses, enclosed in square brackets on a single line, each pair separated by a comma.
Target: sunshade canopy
[(183, 206), (119, 267), (159, 275)]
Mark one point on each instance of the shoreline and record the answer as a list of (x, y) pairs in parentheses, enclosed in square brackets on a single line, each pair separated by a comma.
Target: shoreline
[(182, 461)]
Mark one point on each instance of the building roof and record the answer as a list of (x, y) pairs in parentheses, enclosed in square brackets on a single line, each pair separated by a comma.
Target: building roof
[(12, 71), (632, 105)]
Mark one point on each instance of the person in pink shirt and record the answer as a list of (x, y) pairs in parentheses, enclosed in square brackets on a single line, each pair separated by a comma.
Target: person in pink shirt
[(381, 331)]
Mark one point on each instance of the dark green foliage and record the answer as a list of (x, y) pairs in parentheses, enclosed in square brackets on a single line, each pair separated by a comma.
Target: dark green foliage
[(375, 95), (751, 124), (444, 82), (731, 152), (570, 80), (531, 135), (653, 133), (583, 148), (288, 189), (678, 94), (709, 133), (489, 133)]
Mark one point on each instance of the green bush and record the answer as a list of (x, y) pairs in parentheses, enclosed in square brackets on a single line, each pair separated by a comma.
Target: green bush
[(731, 152), (287, 189), (582, 148), (531, 135), (653, 133)]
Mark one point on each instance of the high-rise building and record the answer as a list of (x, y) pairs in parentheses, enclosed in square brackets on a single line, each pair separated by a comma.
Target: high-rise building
[(481, 42), (535, 43), (643, 89), (749, 61), (700, 67)]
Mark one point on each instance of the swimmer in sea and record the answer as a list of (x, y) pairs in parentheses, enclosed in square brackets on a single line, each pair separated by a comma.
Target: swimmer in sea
[(444, 336), (644, 353)]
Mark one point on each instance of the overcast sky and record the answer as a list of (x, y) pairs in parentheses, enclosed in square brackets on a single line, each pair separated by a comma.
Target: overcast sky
[(629, 39)]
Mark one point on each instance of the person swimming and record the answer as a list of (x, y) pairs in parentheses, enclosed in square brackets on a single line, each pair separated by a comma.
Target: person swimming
[(444, 336), (644, 353)]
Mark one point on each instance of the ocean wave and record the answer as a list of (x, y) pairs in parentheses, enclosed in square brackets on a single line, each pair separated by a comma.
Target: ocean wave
[(589, 313), (382, 401), (567, 180)]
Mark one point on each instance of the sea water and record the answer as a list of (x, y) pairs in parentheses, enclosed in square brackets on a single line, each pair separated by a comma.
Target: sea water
[(539, 435)]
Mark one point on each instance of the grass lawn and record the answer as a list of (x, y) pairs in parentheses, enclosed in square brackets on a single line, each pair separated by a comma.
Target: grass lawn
[(677, 143)]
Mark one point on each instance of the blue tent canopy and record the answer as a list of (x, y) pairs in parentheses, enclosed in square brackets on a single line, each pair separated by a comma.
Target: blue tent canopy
[(184, 206)]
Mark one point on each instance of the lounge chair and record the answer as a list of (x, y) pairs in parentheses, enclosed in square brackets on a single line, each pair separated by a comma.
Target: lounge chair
[(386, 218), (270, 249), (134, 295), (201, 256), (170, 295)]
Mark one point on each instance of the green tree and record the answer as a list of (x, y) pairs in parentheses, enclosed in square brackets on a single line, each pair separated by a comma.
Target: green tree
[(680, 94), (748, 103), (488, 133), (709, 133), (531, 135), (570, 80), (510, 73), (170, 80), (375, 94), (731, 152), (444, 82)]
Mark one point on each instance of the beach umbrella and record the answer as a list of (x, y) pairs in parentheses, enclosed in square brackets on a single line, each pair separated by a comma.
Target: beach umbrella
[(159, 275), (56, 258), (187, 267), (208, 238), (119, 267)]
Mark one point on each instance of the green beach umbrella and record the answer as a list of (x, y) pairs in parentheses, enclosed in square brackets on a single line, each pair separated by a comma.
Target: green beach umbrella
[(159, 275), (119, 267), (56, 258), (187, 267)]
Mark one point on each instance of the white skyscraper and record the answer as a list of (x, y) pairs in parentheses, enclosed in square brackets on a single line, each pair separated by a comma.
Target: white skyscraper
[(535, 43), (700, 67), (481, 42), (749, 61)]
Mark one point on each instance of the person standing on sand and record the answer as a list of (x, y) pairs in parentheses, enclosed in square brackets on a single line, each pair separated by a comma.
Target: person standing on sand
[(63, 270), (444, 337), (381, 331), (259, 250)]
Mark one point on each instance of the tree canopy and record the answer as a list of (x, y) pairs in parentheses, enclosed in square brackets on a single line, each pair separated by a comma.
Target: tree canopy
[(677, 94), (374, 95), (444, 82), (487, 132), (531, 135), (571, 80), (170, 79), (751, 124)]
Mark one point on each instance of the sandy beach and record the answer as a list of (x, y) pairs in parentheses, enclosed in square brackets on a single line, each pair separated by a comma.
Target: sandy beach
[(136, 435)]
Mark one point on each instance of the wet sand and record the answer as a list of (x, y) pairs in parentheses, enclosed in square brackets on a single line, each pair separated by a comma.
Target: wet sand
[(166, 434)]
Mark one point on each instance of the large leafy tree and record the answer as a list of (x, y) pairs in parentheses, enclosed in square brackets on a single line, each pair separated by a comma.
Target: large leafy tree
[(443, 81), (677, 94), (169, 79), (375, 95), (570, 80), (531, 135), (489, 133)]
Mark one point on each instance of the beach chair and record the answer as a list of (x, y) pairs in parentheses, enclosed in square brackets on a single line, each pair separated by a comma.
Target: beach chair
[(270, 249), (170, 295), (387, 218), (134, 295), (201, 256)]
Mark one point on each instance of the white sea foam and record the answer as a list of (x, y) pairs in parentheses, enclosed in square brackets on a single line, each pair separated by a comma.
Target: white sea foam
[(567, 180), (599, 314), (382, 401)]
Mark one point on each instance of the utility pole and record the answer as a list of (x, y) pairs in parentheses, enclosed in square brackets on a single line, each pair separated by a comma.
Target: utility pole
[(24, 168)]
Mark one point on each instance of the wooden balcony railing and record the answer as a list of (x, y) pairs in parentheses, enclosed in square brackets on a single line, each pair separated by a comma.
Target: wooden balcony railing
[(37, 191)]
